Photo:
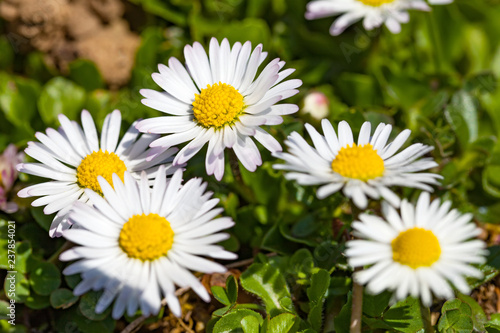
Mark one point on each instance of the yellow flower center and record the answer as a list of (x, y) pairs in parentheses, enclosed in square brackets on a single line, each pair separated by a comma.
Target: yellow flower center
[(416, 247), (376, 3), (358, 162), (217, 105), (99, 164), (146, 237)]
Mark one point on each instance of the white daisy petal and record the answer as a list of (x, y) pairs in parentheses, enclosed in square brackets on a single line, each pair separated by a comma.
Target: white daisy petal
[(162, 233), (416, 260), (373, 13), (229, 106), (366, 170), (73, 161)]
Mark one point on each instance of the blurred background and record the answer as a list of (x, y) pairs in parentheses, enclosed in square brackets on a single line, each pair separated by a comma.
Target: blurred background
[(438, 77)]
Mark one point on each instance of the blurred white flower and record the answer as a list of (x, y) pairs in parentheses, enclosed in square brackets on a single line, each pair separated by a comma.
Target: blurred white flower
[(374, 13)]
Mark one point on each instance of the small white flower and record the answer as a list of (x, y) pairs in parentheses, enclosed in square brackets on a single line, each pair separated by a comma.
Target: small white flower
[(137, 243), (374, 13), (440, 2), (417, 252), (364, 169), (73, 158), (317, 105), (218, 100)]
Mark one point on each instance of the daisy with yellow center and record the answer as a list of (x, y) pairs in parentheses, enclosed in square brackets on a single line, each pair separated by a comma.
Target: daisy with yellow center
[(417, 252), (73, 158), (137, 242), (374, 13), (363, 169), (219, 100)]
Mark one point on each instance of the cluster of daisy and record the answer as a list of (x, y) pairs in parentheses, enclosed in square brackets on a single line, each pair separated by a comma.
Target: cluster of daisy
[(140, 230), (374, 13)]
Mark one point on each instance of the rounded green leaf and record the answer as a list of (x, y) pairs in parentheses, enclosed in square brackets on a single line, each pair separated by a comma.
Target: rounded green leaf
[(62, 298), (60, 96), (45, 278), (88, 303)]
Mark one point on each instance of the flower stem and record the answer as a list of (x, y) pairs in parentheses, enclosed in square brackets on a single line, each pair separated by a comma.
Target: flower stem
[(55, 257), (436, 41), (426, 317), (357, 308), (357, 290)]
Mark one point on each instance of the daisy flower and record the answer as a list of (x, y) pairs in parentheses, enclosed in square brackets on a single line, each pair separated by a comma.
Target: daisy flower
[(440, 2), (73, 158), (218, 100), (374, 13), (418, 251), (364, 169), (137, 243)]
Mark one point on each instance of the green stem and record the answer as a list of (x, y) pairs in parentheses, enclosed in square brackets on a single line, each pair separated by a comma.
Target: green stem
[(426, 318), (436, 41), (55, 257)]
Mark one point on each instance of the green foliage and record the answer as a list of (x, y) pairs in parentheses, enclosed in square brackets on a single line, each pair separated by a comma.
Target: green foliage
[(438, 78), (268, 283)]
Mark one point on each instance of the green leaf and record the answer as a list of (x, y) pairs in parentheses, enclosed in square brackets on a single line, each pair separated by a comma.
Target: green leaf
[(232, 322), (485, 82), (147, 52), (37, 302), (23, 253), (343, 320), (320, 281), (18, 98), (405, 316), (72, 280), (456, 316), (461, 114), (72, 320), (315, 316), (60, 96), (228, 295), (62, 298), (374, 305), (282, 323), (478, 316), (163, 10), (340, 285), (491, 175), (45, 278), (232, 288), (85, 73), (221, 295), (88, 303), (250, 324), (17, 287), (266, 282)]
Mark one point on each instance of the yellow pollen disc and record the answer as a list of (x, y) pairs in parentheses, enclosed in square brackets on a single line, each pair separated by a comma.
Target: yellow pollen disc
[(217, 105), (146, 237), (416, 247), (376, 3), (99, 164), (358, 162)]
